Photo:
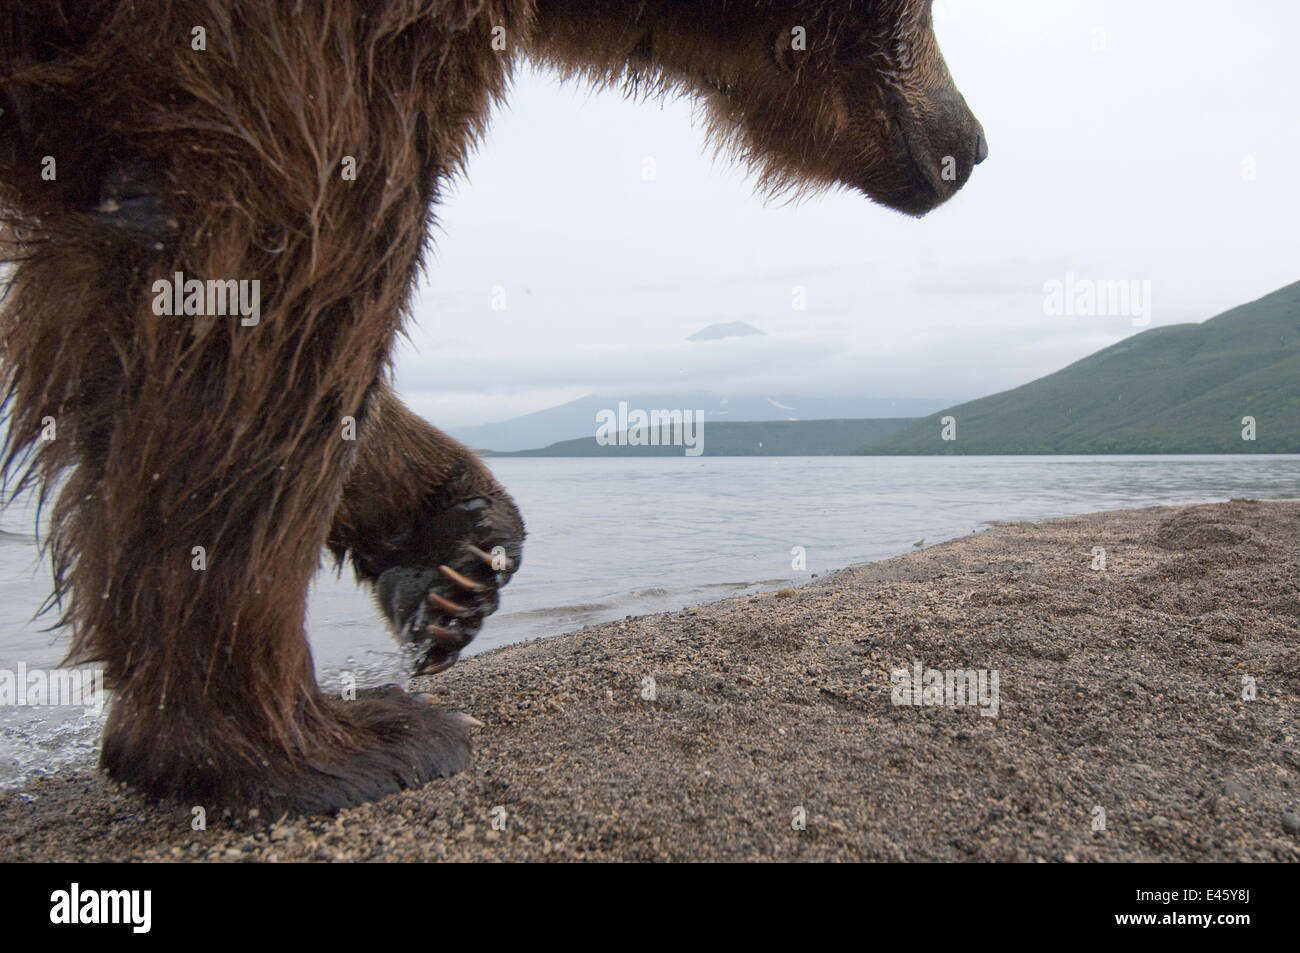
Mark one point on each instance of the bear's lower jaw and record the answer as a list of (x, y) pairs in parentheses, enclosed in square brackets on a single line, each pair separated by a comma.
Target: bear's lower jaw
[(376, 745)]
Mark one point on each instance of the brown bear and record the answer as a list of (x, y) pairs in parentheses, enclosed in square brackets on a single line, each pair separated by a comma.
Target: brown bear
[(214, 213)]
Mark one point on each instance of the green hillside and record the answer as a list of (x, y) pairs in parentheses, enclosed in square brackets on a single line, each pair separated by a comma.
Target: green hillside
[(1175, 389), (768, 438)]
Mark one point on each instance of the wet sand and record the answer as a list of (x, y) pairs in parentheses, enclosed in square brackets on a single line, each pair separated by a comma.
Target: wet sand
[(1119, 691)]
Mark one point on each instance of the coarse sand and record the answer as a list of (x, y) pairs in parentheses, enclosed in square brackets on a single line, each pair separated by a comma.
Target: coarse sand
[(1146, 710)]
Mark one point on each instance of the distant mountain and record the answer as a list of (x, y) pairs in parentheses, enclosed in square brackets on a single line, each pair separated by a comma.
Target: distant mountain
[(577, 419), (732, 329), (1176, 389), (769, 438)]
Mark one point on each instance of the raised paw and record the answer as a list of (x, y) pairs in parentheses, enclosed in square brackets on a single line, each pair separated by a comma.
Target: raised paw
[(473, 549), (458, 602)]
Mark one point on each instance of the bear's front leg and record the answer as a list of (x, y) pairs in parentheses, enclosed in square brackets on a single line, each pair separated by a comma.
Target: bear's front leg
[(201, 302), (428, 527)]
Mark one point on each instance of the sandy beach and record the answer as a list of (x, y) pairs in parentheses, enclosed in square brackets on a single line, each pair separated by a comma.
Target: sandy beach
[(1119, 700)]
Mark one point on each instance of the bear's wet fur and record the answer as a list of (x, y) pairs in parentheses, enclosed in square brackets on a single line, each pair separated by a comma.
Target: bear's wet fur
[(193, 468)]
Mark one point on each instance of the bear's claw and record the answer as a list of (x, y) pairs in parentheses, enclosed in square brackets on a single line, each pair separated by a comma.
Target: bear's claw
[(436, 582), (446, 605), (465, 583), (451, 623), (465, 591)]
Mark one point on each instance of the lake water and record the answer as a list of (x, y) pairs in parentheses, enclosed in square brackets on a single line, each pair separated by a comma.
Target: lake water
[(611, 538)]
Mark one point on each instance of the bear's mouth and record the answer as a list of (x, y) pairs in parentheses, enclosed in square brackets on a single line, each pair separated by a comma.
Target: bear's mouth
[(927, 188), (925, 179), (913, 183)]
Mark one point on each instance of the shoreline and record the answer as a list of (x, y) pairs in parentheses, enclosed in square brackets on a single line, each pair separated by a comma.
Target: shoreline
[(1120, 690)]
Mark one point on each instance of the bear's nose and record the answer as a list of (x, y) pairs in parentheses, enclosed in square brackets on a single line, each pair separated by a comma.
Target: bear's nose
[(981, 148)]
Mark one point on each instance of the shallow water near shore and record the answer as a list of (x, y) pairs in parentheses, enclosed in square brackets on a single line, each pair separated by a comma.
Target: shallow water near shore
[(619, 537)]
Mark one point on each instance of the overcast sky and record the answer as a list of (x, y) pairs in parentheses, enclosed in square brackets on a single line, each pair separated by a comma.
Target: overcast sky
[(1123, 134)]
